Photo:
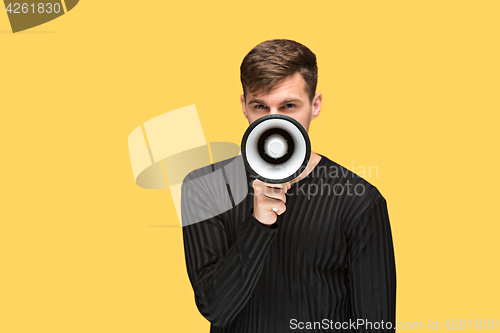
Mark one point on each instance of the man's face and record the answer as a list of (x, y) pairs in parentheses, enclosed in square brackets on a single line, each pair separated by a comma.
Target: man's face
[(289, 97)]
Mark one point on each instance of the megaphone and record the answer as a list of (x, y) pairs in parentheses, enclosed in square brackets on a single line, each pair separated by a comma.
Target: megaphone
[(275, 149)]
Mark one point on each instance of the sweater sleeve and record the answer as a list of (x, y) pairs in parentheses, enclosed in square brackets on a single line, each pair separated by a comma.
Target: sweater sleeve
[(372, 272), (223, 272)]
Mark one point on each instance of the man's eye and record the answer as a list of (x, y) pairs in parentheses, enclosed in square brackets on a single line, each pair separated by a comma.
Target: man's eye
[(289, 106), (259, 106)]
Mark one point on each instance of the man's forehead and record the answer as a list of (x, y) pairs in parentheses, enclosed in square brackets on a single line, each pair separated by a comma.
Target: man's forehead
[(291, 83)]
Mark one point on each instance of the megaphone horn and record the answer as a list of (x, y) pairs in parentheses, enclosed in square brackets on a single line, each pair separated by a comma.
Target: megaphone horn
[(275, 149)]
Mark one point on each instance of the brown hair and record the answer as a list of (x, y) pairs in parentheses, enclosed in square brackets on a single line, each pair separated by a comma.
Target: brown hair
[(268, 63)]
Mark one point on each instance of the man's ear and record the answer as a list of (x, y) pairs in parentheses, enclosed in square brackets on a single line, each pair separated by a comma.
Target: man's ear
[(243, 105), (318, 99)]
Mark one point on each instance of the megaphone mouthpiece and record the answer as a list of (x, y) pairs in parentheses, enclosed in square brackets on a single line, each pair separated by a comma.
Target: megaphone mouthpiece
[(275, 146)]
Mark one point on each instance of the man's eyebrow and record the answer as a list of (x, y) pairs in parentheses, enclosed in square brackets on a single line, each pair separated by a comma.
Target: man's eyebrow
[(256, 100), (291, 99), (286, 100)]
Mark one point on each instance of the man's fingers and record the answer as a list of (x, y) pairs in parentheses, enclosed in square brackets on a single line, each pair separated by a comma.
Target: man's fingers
[(275, 205), (258, 182), (283, 186), (275, 193), (269, 200), (278, 208)]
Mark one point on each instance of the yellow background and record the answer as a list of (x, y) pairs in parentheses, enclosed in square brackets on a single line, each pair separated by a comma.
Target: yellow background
[(409, 87)]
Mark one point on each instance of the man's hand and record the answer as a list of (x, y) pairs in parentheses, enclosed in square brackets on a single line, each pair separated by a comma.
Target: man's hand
[(266, 197)]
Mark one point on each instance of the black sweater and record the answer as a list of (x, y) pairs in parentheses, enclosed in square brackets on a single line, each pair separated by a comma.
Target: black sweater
[(327, 262)]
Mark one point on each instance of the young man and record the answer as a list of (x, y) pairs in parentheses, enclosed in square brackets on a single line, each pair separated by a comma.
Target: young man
[(327, 264)]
